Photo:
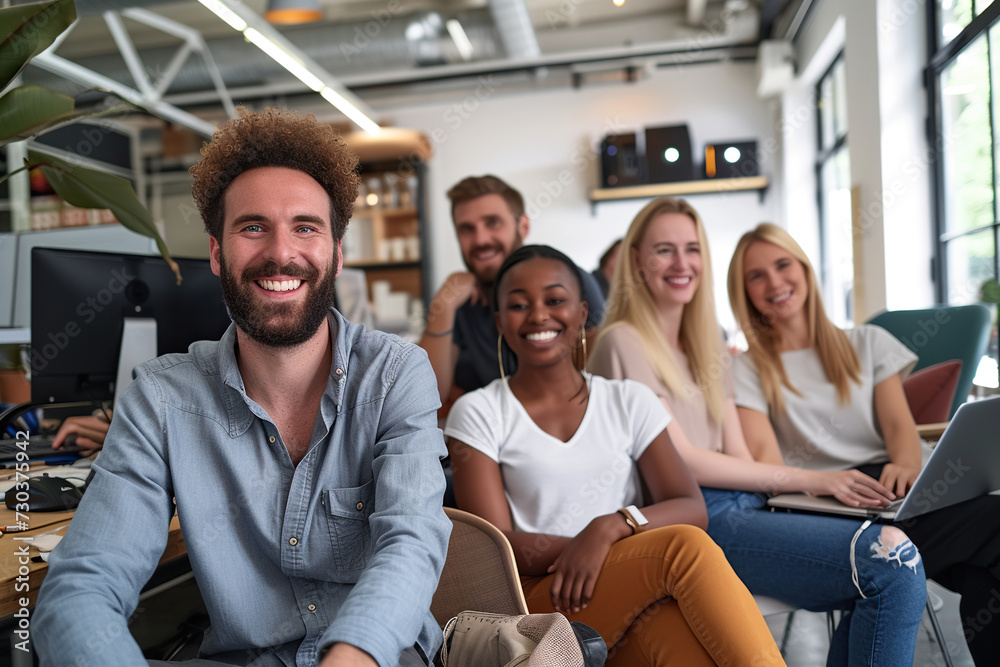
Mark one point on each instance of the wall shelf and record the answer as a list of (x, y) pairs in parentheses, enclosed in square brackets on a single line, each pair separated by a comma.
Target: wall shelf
[(397, 212), (682, 188), (383, 264)]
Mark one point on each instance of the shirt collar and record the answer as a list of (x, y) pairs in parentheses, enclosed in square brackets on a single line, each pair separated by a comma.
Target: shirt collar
[(242, 409)]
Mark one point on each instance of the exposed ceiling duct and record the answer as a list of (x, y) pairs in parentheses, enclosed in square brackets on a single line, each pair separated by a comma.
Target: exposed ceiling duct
[(696, 11), (378, 55), (514, 25)]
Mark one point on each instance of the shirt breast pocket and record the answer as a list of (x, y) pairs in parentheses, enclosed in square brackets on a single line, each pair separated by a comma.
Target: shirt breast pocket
[(347, 512)]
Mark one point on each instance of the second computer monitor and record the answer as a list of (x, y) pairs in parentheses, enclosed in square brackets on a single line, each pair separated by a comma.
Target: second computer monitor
[(80, 302)]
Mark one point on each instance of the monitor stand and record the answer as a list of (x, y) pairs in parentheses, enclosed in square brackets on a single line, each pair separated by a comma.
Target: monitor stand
[(138, 345)]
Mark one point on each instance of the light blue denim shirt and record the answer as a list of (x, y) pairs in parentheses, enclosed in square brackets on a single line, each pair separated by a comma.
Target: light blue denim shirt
[(345, 547)]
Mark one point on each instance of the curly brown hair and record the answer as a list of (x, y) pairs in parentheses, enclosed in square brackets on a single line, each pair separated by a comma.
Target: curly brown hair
[(275, 138)]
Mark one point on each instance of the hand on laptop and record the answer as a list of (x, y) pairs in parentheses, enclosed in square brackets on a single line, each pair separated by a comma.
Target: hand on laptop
[(90, 433), (899, 478), (852, 487)]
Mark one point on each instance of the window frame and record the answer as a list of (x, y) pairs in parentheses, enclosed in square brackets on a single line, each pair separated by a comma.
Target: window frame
[(940, 58), (824, 155)]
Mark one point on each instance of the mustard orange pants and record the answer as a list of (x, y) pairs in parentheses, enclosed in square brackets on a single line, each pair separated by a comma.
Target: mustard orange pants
[(669, 597)]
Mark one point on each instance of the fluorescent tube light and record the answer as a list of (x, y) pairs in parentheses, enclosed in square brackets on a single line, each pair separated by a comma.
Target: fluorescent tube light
[(461, 40), (349, 110), (226, 14), (264, 36), (286, 60)]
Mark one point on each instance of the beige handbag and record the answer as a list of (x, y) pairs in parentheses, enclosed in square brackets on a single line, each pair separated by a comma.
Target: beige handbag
[(479, 639)]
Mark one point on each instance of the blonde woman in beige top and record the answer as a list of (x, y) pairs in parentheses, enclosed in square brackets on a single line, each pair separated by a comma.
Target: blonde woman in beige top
[(661, 329)]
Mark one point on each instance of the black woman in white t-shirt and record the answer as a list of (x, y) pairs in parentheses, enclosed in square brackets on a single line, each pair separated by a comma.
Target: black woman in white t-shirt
[(558, 460)]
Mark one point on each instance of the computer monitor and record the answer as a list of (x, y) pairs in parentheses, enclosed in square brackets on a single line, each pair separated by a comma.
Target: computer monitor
[(83, 303)]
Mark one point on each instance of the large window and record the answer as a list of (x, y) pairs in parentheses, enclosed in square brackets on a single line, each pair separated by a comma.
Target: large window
[(965, 98), (833, 177), (964, 69)]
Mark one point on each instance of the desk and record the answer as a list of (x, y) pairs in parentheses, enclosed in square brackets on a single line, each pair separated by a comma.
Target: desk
[(932, 431), (43, 522)]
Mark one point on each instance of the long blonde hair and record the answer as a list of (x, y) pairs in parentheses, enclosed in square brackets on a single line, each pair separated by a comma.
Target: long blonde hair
[(837, 355), (631, 303)]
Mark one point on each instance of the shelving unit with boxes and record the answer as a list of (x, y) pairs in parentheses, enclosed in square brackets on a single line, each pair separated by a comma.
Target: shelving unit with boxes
[(386, 238)]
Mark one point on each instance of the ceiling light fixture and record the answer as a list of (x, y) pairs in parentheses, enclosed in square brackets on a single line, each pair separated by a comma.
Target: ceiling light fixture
[(265, 37), (618, 3), (461, 40), (291, 12)]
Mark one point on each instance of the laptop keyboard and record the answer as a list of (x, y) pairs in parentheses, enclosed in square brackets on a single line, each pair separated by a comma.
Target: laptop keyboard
[(38, 446)]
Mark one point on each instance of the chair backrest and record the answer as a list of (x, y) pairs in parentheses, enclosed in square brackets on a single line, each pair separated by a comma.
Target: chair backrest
[(942, 334), (480, 573)]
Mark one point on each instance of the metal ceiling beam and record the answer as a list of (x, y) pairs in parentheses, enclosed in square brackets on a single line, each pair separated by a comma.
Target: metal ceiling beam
[(149, 96), (70, 70)]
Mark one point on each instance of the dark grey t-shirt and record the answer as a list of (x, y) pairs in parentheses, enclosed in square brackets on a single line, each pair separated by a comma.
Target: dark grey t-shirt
[(476, 336)]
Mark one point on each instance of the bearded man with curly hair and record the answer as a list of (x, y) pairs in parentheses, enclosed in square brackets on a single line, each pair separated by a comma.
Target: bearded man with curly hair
[(301, 451)]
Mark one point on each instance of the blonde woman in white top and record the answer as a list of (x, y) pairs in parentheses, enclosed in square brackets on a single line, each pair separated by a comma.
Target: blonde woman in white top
[(661, 329), (830, 399)]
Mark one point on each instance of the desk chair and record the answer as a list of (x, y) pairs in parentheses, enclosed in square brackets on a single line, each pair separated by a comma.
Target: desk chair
[(480, 572), (942, 334)]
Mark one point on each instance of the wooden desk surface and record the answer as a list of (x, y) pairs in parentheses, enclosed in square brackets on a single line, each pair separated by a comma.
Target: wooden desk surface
[(931, 431), (41, 523)]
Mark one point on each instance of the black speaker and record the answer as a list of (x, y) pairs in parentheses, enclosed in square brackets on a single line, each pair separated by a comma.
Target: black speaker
[(620, 161), (731, 159), (668, 154)]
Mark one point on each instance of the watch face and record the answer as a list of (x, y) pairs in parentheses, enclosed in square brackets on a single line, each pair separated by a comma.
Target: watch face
[(637, 515)]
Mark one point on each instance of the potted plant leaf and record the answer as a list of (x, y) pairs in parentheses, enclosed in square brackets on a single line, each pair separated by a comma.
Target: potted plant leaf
[(29, 110)]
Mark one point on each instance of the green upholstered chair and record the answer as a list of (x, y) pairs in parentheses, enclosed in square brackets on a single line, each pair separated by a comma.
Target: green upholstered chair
[(942, 334)]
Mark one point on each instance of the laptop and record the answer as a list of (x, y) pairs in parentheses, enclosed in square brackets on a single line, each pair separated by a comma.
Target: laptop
[(964, 465)]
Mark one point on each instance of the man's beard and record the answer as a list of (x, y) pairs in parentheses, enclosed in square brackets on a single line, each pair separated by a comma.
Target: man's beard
[(253, 317), (487, 279)]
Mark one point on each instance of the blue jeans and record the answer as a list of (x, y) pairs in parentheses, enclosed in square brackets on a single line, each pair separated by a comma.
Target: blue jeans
[(805, 560)]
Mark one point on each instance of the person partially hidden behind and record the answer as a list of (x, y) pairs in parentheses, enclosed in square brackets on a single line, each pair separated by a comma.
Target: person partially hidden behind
[(461, 333), (302, 451), (88, 431), (605, 271)]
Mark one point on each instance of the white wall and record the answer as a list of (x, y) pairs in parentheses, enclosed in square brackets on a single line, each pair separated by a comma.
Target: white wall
[(544, 143), (884, 53)]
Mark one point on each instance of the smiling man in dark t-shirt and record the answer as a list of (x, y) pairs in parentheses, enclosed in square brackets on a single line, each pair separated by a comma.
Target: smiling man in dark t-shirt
[(461, 334)]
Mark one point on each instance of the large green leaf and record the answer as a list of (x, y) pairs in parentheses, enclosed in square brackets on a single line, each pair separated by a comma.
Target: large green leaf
[(26, 111), (27, 31), (87, 188)]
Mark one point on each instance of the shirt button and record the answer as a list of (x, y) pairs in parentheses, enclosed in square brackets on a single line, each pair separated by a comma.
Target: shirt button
[(360, 506), (311, 607), (271, 439), (339, 372), (293, 541)]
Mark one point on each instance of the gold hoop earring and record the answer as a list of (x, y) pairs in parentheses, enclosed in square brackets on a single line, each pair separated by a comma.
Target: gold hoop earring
[(500, 356), (583, 347)]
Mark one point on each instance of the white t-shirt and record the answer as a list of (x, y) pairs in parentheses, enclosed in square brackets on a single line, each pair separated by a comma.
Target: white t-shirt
[(816, 431), (557, 487)]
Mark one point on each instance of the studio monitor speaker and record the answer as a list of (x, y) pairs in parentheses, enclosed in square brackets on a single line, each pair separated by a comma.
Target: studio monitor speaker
[(668, 154), (731, 159), (620, 161)]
